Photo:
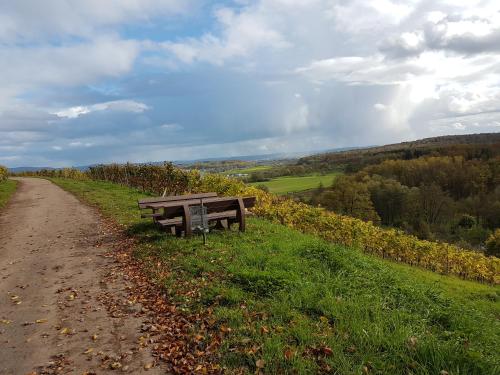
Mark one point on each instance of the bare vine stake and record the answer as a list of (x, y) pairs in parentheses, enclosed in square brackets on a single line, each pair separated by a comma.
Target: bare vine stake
[(126, 175)]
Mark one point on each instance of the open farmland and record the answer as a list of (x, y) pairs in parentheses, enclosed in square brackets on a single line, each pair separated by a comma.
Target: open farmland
[(257, 168), (291, 184)]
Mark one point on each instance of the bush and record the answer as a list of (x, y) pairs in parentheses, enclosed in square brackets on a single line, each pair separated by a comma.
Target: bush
[(493, 244), (466, 221), (3, 173)]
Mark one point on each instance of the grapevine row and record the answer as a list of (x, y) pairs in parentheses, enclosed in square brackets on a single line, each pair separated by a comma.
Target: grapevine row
[(3, 173)]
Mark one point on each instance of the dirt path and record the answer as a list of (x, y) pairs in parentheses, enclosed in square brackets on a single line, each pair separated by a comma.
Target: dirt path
[(54, 278)]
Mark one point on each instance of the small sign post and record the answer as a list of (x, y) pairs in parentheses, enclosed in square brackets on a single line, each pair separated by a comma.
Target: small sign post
[(199, 220)]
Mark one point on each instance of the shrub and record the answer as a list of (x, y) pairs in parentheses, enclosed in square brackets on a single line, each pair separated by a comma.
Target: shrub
[(493, 244), (3, 173)]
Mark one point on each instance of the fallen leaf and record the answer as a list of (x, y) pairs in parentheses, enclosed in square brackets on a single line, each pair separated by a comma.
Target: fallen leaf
[(115, 365), (225, 329), (327, 350), (260, 363), (65, 331), (94, 337), (88, 351), (264, 330), (288, 353), (41, 321), (5, 321), (147, 366)]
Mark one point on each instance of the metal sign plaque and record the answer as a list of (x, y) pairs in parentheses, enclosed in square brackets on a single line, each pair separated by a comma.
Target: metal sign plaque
[(199, 220)]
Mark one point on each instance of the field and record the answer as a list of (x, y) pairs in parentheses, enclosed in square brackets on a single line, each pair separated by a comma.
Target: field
[(291, 184), (257, 168), (7, 188), (287, 302)]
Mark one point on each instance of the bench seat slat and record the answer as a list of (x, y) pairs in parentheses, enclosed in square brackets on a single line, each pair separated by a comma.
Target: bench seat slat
[(144, 216), (213, 216)]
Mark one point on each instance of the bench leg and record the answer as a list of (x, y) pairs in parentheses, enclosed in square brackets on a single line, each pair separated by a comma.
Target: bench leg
[(186, 220), (178, 231), (240, 214), (220, 224)]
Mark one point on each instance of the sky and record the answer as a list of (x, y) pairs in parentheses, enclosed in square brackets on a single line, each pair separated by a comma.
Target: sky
[(101, 81)]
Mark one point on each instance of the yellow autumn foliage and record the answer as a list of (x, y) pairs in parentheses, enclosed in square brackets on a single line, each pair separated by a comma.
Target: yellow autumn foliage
[(3, 173)]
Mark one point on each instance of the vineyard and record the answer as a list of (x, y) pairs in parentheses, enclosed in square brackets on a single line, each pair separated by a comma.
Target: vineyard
[(386, 243), (3, 173)]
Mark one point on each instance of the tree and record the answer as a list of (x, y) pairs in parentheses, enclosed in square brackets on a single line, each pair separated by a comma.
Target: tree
[(389, 199), (493, 244), (434, 203), (351, 198)]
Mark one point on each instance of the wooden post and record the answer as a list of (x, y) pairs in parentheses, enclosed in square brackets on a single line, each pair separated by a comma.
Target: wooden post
[(240, 214)]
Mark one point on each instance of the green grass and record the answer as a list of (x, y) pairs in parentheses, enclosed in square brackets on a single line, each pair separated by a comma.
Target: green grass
[(7, 188), (291, 184), (329, 308)]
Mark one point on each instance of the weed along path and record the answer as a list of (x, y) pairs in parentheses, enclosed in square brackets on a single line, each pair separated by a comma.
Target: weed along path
[(56, 284)]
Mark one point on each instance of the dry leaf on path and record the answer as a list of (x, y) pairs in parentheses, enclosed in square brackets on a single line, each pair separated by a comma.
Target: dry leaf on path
[(260, 363)]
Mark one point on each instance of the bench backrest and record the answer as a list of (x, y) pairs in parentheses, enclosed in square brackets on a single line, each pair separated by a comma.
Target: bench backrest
[(173, 198), (229, 204)]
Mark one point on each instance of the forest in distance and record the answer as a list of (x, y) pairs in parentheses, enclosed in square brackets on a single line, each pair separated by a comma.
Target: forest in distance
[(442, 189)]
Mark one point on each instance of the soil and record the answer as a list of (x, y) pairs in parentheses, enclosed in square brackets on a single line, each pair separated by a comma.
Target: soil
[(56, 281)]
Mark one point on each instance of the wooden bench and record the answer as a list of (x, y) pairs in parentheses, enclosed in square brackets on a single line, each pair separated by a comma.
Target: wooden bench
[(177, 215), (143, 203)]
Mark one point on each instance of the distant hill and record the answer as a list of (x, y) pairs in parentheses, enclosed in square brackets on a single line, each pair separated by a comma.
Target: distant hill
[(484, 145), (28, 169), (183, 163)]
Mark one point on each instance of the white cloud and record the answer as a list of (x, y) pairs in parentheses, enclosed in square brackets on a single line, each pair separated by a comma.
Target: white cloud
[(242, 34), (117, 105), (380, 107), (23, 20), (66, 65), (172, 127), (80, 144)]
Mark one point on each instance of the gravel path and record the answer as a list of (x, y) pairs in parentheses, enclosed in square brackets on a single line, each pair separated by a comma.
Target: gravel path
[(55, 278)]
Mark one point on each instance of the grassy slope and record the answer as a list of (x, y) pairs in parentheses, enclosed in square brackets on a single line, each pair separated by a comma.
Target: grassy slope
[(7, 188), (289, 184), (283, 292)]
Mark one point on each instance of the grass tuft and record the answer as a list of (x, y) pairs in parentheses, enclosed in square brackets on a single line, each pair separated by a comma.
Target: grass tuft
[(7, 188)]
